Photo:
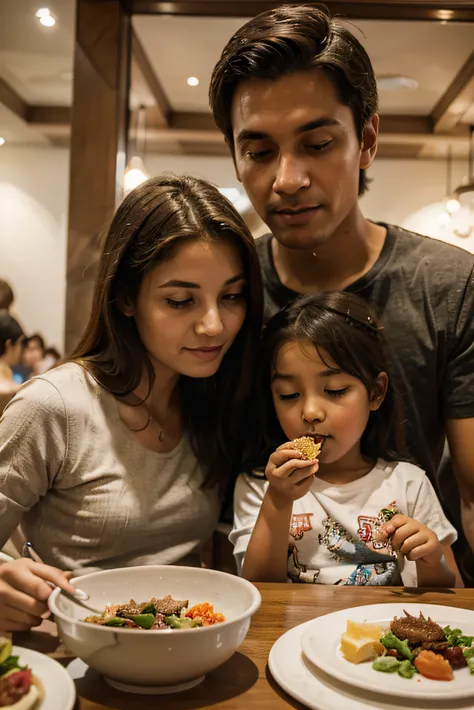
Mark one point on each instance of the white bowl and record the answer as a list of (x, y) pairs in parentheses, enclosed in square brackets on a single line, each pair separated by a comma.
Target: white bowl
[(156, 661)]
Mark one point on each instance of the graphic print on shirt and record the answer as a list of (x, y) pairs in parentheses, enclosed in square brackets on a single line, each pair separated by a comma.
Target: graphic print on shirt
[(375, 561), (300, 523)]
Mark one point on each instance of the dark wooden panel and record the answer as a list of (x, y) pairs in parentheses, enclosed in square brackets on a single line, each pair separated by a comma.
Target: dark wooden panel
[(456, 100), (10, 99), (148, 73), (98, 146), (454, 11)]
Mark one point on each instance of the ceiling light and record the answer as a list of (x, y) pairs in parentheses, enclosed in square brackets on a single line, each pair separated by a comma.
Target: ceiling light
[(193, 81), (2, 141), (396, 83), (453, 205), (46, 17)]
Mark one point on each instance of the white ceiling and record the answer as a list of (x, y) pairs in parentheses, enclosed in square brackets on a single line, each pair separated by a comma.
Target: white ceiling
[(431, 53), (37, 61)]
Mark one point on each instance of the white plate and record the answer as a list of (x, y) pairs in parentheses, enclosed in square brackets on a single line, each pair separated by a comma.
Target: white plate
[(321, 645), (59, 689), (318, 691)]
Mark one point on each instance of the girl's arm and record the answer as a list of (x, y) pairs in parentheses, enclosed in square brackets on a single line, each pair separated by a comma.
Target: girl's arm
[(266, 552), (419, 543)]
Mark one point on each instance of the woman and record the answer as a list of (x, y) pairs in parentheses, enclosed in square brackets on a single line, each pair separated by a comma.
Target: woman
[(119, 457), (11, 345)]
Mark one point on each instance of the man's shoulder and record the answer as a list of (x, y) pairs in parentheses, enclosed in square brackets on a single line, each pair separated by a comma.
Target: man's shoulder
[(418, 250)]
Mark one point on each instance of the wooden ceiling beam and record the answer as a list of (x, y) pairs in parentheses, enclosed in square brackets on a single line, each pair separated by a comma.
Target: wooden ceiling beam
[(434, 10), (143, 65), (12, 100), (456, 100)]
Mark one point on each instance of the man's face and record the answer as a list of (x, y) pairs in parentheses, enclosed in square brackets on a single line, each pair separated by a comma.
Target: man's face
[(298, 155)]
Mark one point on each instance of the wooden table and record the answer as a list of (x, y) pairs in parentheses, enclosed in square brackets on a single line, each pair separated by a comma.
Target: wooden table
[(244, 682)]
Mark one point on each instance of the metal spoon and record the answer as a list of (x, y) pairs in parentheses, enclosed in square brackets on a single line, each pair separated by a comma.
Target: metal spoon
[(28, 551)]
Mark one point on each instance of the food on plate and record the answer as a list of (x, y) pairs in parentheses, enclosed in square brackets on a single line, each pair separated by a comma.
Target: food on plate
[(433, 665), (416, 630), (410, 646), (19, 689), (360, 642), (309, 446), (167, 613)]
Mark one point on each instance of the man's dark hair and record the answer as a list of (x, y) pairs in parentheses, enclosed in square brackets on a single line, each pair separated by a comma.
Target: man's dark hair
[(6, 295), (289, 39)]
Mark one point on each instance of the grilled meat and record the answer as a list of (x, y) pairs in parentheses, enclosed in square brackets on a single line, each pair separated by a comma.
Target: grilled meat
[(416, 630)]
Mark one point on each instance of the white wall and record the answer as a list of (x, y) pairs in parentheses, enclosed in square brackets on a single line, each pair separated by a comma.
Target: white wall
[(34, 204), (33, 221)]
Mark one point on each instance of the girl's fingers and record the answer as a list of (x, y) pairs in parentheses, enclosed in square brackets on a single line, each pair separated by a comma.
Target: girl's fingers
[(290, 468), (281, 456), (412, 542), (403, 533), (303, 473), (25, 603)]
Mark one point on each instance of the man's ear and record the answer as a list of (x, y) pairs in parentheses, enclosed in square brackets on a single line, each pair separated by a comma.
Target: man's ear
[(369, 142), (379, 392)]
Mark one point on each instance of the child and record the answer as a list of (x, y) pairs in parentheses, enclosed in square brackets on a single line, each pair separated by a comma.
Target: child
[(360, 515)]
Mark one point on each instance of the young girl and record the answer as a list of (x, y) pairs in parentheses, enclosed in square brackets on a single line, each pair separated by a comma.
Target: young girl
[(120, 456), (359, 515)]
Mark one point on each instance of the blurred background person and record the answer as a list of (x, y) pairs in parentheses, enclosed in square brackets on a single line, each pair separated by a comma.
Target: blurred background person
[(31, 359), (6, 296), (11, 346)]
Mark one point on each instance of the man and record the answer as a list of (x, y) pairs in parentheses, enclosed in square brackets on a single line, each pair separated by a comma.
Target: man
[(295, 95)]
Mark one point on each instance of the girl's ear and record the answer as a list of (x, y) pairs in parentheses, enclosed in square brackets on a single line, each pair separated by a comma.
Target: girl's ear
[(380, 390)]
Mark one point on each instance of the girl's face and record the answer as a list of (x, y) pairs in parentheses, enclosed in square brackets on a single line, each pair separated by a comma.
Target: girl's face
[(316, 397), (191, 307)]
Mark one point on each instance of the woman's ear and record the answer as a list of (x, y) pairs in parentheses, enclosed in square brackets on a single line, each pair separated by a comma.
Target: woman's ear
[(125, 305), (380, 390)]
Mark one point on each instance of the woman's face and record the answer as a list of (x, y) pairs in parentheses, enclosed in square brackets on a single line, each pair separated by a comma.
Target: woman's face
[(32, 354), (191, 307)]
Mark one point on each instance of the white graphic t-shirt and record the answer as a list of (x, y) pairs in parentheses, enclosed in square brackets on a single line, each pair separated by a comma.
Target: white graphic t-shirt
[(333, 531)]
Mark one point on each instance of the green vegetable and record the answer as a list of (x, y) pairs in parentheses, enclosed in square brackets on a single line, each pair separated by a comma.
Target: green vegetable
[(468, 654), (173, 621), (145, 621), (406, 669), (5, 649), (149, 609), (386, 664), (115, 621), (9, 664), (456, 637), (389, 640)]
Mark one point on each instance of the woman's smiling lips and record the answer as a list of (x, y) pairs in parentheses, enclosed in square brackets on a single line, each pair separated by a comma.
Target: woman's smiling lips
[(207, 354)]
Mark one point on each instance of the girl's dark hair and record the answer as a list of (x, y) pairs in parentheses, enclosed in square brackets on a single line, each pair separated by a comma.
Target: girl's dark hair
[(341, 327), (151, 224), (295, 38), (10, 330)]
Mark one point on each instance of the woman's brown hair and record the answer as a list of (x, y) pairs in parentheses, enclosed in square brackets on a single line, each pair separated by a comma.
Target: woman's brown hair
[(150, 225), (295, 38)]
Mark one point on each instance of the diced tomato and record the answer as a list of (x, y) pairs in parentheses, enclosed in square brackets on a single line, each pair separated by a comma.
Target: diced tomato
[(433, 665)]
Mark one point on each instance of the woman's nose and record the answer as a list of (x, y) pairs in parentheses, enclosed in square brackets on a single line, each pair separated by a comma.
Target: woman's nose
[(210, 324)]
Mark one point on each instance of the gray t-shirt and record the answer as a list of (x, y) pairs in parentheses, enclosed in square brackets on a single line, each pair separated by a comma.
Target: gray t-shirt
[(423, 292), (89, 495)]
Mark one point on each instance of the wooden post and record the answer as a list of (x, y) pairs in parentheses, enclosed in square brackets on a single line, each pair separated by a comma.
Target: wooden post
[(99, 128)]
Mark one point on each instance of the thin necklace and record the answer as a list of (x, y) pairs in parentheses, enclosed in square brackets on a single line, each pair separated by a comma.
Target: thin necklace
[(150, 417)]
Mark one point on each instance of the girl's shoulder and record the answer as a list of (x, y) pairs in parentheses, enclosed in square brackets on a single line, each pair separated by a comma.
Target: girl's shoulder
[(405, 473)]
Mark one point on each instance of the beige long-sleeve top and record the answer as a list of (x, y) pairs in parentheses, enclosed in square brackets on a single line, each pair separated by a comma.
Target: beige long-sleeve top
[(87, 494)]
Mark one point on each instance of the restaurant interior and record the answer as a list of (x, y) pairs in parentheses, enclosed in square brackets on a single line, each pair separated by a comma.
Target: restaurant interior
[(97, 96)]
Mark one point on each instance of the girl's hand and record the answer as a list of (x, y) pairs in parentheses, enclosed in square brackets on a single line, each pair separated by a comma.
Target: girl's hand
[(414, 540), (24, 591), (289, 475)]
